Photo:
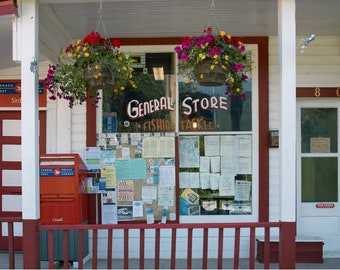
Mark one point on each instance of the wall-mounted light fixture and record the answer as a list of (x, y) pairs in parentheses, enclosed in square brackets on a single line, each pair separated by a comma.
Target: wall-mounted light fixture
[(302, 46)]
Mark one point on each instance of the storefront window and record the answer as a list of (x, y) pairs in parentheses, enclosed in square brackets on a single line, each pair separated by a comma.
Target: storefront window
[(196, 114), (149, 108), (215, 144), (215, 174)]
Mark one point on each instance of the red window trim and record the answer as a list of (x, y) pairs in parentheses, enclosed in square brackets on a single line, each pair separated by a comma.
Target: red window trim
[(318, 92), (263, 113)]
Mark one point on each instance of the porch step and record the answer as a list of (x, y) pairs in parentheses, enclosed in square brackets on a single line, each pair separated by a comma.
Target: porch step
[(309, 249)]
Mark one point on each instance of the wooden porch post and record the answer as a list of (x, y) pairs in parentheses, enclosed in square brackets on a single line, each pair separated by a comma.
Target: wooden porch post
[(287, 86), (30, 133)]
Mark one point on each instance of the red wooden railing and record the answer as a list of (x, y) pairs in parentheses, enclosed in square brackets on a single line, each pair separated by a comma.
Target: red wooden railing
[(236, 228), (10, 238)]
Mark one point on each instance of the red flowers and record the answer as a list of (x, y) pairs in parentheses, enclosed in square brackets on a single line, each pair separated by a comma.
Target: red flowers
[(115, 43), (92, 38)]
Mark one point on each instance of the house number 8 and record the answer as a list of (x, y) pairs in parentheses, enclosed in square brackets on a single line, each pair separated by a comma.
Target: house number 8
[(317, 92)]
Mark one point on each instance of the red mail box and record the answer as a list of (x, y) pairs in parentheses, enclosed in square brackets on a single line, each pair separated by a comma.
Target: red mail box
[(62, 189)]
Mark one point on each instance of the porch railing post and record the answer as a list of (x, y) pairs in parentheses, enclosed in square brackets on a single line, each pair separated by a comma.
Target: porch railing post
[(287, 249)]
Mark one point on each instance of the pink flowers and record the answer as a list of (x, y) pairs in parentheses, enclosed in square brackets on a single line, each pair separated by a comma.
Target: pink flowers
[(238, 67), (227, 52)]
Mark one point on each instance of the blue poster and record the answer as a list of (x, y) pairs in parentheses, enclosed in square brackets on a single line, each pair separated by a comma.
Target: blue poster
[(131, 169)]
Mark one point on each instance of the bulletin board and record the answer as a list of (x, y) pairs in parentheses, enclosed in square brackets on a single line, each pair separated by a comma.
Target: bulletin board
[(145, 175), (215, 174)]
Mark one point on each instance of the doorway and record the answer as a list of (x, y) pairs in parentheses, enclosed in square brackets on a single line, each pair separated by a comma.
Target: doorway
[(10, 170), (318, 171)]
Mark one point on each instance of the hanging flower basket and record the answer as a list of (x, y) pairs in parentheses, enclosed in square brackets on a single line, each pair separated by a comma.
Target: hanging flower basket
[(100, 78), (91, 63), (201, 56), (210, 73)]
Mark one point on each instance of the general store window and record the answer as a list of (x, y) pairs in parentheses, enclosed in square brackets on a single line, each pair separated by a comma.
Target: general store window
[(150, 107), (223, 178), (196, 115)]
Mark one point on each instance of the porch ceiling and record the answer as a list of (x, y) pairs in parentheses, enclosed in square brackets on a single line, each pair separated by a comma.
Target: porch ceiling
[(64, 20)]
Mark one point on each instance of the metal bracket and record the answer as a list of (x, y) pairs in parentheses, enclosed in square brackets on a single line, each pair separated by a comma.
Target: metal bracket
[(34, 66)]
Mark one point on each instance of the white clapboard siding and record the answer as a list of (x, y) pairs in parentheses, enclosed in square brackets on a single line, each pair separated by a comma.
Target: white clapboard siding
[(318, 66), (78, 130)]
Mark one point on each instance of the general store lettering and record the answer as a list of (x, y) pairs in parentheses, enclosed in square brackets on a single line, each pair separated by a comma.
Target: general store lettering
[(191, 105), (135, 109)]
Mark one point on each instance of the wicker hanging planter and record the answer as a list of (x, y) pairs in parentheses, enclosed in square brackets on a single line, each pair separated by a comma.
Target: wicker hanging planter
[(207, 76), (98, 78)]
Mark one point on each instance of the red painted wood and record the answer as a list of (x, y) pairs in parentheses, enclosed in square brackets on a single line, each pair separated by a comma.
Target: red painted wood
[(80, 248), (237, 248), (252, 248), (318, 92), (109, 249), (266, 248), (141, 248), (263, 114), (94, 249), (8, 7), (220, 248), (306, 252), (11, 245), (31, 243), (173, 248), (126, 248), (42, 133), (205, 249), (174, 227), (157, 247), (263, 69), (287, 245), (189, 256)]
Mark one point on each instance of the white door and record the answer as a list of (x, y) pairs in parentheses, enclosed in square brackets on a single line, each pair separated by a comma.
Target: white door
[(318, 149)]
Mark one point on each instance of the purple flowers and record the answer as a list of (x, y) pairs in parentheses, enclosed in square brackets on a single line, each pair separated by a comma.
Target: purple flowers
[(48, 82), (186, 44), (238, 67), (226, 51), (214, 51)]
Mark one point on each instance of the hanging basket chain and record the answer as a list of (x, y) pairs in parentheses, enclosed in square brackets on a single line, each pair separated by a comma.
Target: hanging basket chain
[(101, 23), (213, 19)]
